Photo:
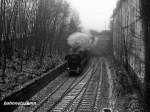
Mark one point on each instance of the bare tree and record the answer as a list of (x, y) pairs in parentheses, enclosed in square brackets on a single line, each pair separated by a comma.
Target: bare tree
[(31, 29)]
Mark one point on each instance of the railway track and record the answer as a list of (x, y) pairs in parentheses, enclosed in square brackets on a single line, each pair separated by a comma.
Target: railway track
[(87, 96), (58, 96), (87, 99), (77, 89), (65, 85), (83, 93)]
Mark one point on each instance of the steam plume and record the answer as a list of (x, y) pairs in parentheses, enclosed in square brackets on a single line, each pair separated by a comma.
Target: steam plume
[(81, 40)]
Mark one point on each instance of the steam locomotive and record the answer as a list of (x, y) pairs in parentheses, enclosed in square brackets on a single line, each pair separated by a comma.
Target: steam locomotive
[(76, 62)]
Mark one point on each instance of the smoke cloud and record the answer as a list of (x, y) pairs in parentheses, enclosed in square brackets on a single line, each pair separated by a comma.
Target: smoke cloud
[(86, 41), (81, 40)]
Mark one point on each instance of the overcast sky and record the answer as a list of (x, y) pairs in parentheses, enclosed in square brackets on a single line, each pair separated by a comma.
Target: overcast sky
[(94, 14)]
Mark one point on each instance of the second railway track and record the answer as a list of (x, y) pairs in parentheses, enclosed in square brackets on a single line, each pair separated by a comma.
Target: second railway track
[(54, 100), (72, 93)]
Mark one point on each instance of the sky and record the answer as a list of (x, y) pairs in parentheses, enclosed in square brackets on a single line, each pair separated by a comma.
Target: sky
[(94, 14)]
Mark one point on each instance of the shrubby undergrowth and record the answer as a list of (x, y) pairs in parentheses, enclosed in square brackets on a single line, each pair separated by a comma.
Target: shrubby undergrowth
[(31, 69)]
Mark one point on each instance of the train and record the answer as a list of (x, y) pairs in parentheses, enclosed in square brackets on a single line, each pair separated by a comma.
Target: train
[(76, 62)]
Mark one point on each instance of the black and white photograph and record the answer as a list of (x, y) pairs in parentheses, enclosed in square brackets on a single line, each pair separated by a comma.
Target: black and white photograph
[(74, 55)]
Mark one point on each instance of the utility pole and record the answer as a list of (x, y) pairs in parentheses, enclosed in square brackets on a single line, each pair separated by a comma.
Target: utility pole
[(105, 25)]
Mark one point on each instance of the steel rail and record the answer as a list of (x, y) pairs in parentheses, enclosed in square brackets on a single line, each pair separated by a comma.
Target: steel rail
[(79, 92), (67, 91), (55, 90)]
